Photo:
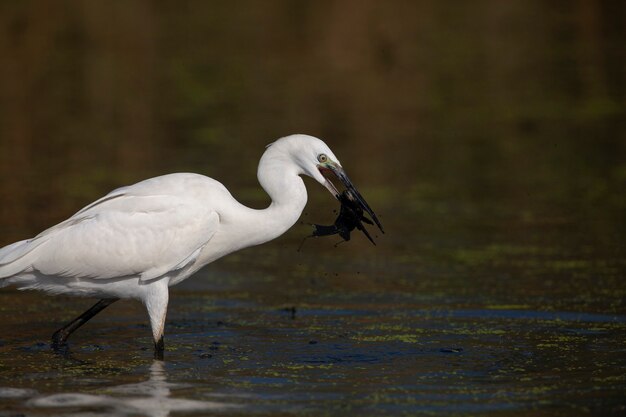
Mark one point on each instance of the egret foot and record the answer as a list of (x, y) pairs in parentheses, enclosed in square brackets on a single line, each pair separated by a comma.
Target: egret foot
[(59, 338), (159, 349)]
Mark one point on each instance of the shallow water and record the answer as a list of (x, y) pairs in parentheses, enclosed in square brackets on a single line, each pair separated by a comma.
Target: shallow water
[(492, 153), (363, 332)]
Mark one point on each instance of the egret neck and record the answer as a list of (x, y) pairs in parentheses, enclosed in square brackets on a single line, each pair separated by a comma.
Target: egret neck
[(279, 176)]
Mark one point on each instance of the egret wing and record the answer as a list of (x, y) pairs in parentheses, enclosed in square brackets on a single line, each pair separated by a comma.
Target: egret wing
[(10, 255), (125, 235)]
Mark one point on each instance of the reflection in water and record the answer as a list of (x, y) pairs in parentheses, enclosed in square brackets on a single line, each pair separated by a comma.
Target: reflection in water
[(8, 392), (149, 398)]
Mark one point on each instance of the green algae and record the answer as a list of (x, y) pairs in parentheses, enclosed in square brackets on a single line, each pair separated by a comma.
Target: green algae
[(508, 306), (405, 338)]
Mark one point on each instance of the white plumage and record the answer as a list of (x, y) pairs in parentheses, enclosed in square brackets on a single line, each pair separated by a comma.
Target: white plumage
[(138, 240)]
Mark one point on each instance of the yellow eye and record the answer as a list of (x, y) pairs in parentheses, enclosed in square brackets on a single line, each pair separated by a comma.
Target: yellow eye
[(322, 157)]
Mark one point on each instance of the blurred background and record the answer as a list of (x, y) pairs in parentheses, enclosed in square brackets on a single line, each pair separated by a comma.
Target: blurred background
[(489, 136), (516, 100)]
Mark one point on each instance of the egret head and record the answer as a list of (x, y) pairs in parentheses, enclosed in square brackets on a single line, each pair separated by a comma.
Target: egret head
[(315, 159)]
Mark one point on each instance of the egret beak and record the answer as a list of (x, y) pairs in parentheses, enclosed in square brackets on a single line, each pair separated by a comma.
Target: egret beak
[(333, 171)]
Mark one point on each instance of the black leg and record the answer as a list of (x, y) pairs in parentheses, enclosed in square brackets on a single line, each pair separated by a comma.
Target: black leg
[(60, 336), (159, 348)]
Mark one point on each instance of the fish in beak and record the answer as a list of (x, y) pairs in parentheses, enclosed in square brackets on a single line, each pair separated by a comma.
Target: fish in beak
[(353, 205)]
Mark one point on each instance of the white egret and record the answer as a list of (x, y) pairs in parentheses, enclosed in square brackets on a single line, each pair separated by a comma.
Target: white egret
[(139, 240)]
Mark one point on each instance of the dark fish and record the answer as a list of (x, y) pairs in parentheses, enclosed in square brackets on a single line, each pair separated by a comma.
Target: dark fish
[(350, 217)]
